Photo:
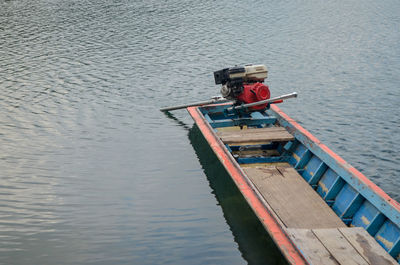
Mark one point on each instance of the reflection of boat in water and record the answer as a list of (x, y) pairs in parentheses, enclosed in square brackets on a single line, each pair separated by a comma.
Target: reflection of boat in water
[(316, 207), (253, 241)]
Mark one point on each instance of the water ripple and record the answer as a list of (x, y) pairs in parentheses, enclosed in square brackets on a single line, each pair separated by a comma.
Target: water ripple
[(92, 172)]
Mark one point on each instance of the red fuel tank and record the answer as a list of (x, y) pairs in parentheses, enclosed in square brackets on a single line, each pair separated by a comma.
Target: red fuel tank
[(253, 93)]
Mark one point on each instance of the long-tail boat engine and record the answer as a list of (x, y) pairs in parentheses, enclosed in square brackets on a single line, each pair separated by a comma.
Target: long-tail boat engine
[(244, 84)]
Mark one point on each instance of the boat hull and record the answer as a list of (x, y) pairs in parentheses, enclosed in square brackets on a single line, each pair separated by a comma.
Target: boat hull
[(304, 151)]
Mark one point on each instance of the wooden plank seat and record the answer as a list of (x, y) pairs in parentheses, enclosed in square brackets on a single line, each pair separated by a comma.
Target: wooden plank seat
[(255, 136), (343, 245), (291, 198)]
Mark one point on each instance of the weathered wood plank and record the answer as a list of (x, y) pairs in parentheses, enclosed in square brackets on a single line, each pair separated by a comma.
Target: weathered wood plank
[(367, 246), (233, 128), (267, 165), (311, 248), (292, 199), (258, 135), (256, 153), (339, 247)]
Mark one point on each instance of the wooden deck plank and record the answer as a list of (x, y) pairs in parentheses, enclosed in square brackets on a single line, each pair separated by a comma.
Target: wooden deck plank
[(335, 242), (345, 246), (259, 135), (367, 246), (266, 165), (311, 248), (292, 199), (231, 128), (256, 153)]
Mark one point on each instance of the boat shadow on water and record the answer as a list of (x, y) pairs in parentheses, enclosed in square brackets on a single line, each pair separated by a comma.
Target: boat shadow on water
[(253, 241)]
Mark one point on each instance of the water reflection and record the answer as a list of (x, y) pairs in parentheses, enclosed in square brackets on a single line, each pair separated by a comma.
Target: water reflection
[(178, 121)]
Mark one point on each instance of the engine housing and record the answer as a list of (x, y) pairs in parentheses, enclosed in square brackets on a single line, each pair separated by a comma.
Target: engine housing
[(244, 84)]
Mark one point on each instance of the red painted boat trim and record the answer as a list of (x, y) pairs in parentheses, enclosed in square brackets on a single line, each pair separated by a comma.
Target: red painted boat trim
[(357, 174), (267, 219)]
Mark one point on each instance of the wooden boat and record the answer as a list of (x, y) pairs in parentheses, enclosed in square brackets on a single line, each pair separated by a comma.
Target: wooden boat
[(317, 208)]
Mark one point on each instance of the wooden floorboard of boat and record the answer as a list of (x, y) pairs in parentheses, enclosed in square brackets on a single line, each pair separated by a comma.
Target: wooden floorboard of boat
[(345, 246), (367, 246), (311, 248), (291, 198), (255, 136), (266, 165), (339, 247)]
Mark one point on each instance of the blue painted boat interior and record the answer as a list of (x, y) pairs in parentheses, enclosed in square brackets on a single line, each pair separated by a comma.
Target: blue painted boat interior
[(354, 202)]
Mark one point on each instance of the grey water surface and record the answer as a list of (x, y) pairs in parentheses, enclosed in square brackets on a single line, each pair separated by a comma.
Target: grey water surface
[(92, 173)]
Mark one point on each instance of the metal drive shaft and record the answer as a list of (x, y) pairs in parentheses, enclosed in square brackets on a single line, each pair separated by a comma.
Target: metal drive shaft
[(200, 103), (271, 100)]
